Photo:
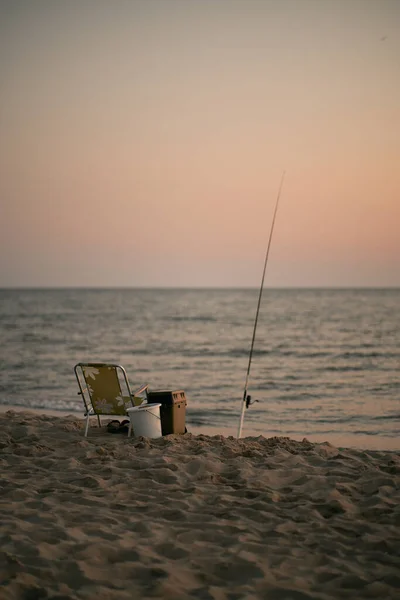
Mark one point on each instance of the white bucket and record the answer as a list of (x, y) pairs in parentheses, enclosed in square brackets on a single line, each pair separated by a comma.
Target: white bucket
[(145, 420)]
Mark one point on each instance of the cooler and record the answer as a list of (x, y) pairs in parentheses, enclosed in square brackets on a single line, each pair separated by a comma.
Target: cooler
[(172, 409)]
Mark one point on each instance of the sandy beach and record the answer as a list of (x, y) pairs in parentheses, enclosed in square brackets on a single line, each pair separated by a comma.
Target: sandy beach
[(192, 516)]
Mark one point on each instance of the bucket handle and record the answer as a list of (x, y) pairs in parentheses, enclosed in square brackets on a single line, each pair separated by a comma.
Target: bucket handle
[(153, 415)]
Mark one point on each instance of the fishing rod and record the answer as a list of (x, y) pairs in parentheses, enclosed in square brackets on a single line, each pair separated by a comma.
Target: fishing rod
[(246, 402)]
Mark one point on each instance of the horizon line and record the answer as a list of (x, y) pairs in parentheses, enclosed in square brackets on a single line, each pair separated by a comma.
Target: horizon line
[(205, 287)]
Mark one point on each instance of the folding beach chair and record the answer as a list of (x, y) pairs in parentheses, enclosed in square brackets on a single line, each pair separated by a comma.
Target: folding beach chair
[(101, 386)]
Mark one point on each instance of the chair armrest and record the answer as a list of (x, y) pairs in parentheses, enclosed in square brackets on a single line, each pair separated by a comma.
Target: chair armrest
[(140, 390)]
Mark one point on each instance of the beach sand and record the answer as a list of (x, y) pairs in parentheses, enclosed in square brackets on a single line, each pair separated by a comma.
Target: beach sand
[(192, 516)]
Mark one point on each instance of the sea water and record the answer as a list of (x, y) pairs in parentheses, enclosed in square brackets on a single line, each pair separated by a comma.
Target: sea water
[(326, 362)]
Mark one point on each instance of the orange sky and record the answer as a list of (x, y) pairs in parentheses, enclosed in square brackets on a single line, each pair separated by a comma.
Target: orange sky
[(142, 142)]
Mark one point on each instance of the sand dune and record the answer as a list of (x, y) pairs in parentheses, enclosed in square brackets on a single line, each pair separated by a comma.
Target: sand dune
[(200, 517)]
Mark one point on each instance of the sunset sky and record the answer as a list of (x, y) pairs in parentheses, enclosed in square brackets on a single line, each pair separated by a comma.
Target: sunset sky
[(142, 142)]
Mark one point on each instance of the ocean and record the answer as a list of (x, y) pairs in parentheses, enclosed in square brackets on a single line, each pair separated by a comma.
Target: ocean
[(326, 362)]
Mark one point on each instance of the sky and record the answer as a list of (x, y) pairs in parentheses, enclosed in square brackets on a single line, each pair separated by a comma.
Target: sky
[(142, 143)]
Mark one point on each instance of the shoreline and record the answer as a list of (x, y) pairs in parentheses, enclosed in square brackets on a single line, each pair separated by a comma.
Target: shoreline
[(358, 442)]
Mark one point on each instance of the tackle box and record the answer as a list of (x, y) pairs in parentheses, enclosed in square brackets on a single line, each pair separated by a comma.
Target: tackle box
[(172, 409)]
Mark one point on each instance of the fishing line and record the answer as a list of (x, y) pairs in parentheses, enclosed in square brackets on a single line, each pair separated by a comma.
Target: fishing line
[(247, 399)]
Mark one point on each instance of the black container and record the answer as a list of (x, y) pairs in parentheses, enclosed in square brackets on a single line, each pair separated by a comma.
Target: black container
[(172, 409)]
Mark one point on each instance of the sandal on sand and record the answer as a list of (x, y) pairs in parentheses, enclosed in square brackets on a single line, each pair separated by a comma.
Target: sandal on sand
[(124, 426), (113, 426)]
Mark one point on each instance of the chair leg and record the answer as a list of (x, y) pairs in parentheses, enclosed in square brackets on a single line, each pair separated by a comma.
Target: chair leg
[(130, 429), (87, 424), (98, 418)]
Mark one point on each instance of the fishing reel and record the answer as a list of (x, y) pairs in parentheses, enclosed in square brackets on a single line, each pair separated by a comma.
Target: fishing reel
[(249, 402)]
